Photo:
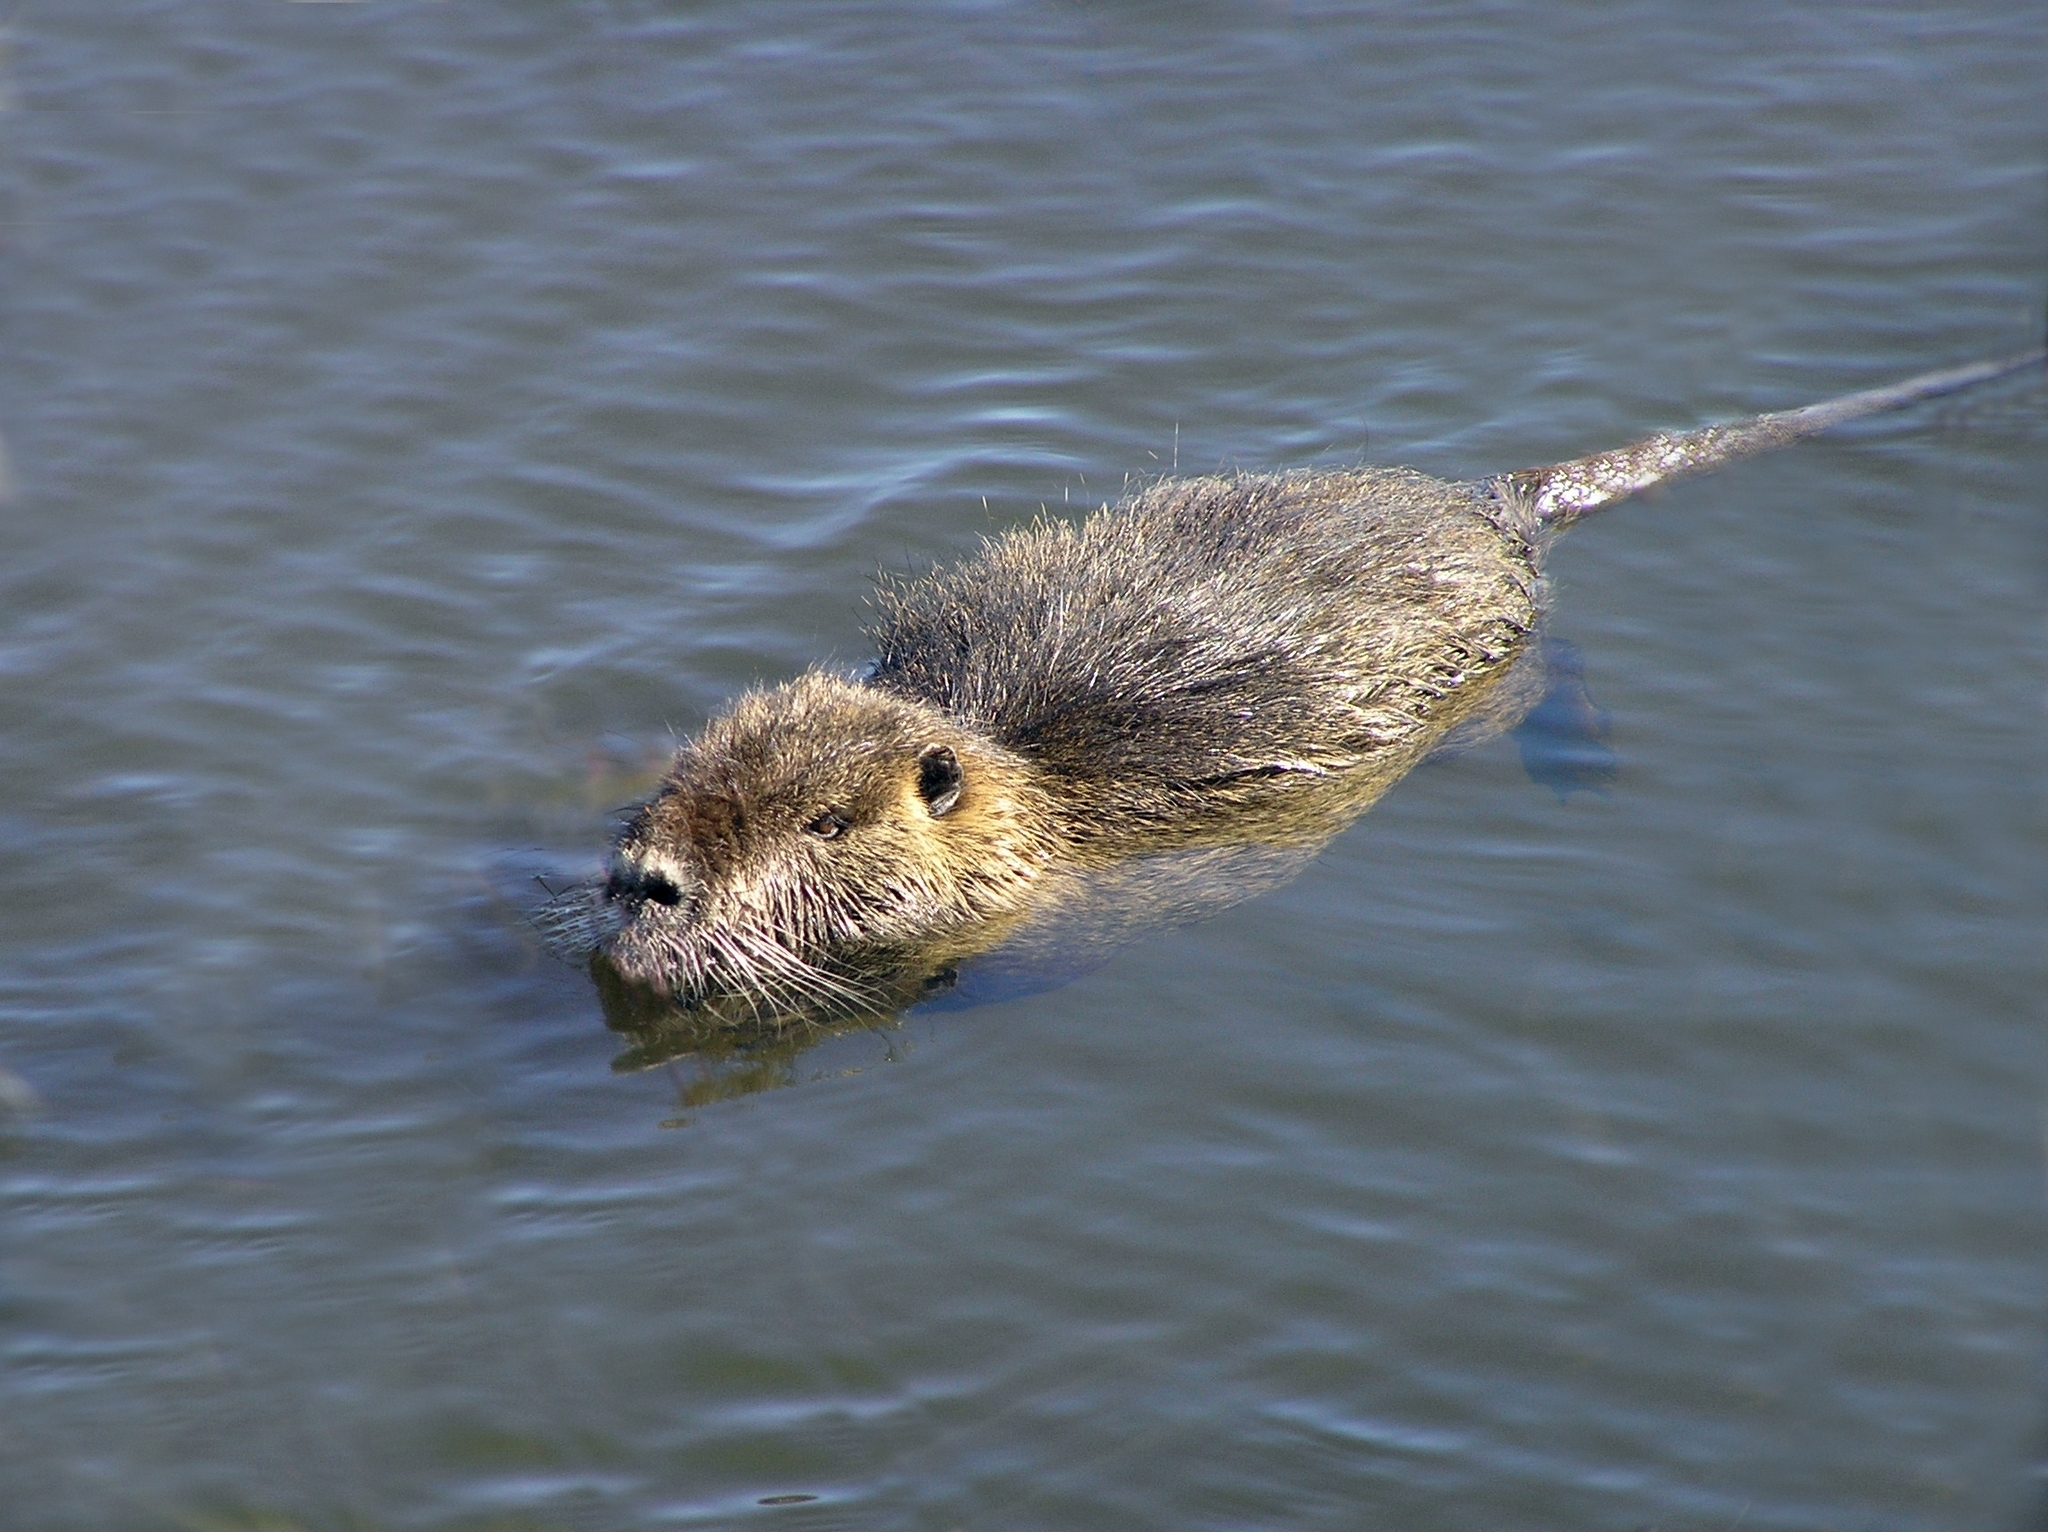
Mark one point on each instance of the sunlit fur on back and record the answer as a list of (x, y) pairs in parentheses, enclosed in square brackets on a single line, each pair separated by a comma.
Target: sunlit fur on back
[(1215, 640)]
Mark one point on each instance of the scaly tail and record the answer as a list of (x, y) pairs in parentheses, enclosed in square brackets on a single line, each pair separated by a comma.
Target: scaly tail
[(1563, 492)]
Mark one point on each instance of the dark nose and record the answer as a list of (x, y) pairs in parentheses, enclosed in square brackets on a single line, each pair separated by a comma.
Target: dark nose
[(630, 882)]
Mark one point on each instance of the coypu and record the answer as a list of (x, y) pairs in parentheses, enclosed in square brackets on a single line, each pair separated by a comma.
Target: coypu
[(1214, 661)]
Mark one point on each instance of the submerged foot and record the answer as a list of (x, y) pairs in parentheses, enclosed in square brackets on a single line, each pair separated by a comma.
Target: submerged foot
[(1563, 739)]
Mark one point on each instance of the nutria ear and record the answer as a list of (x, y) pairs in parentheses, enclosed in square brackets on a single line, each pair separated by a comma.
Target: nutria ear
[(938, 778)]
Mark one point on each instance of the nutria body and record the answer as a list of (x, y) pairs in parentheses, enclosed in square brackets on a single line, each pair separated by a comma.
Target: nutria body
[(1216, 659)]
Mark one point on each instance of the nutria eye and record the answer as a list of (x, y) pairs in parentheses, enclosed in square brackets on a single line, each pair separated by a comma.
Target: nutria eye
[(830, 825)]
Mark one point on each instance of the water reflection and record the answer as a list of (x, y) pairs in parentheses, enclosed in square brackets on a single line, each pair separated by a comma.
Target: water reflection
[(738, 1046)]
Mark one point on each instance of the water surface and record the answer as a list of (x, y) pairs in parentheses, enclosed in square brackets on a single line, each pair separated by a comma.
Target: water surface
[(418, 414)]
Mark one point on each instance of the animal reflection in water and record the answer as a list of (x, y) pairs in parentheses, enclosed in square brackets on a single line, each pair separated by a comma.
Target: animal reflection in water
[(1089, 731)]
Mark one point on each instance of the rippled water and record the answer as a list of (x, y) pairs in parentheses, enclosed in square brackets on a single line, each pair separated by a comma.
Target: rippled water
[(419, 412)]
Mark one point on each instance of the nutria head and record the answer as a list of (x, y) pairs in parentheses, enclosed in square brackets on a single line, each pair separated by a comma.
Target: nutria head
[(811, 830)]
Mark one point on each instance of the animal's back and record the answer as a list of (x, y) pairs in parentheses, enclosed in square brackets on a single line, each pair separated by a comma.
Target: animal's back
[(1213, 638)]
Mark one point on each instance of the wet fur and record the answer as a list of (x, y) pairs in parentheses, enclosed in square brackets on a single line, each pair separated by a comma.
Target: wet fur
[(1215, 641)]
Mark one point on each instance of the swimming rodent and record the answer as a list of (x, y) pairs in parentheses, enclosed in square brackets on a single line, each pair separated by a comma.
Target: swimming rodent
[(1213, 661)]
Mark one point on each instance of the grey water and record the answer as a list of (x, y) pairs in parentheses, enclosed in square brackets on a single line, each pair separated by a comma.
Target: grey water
[(419, 415)]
